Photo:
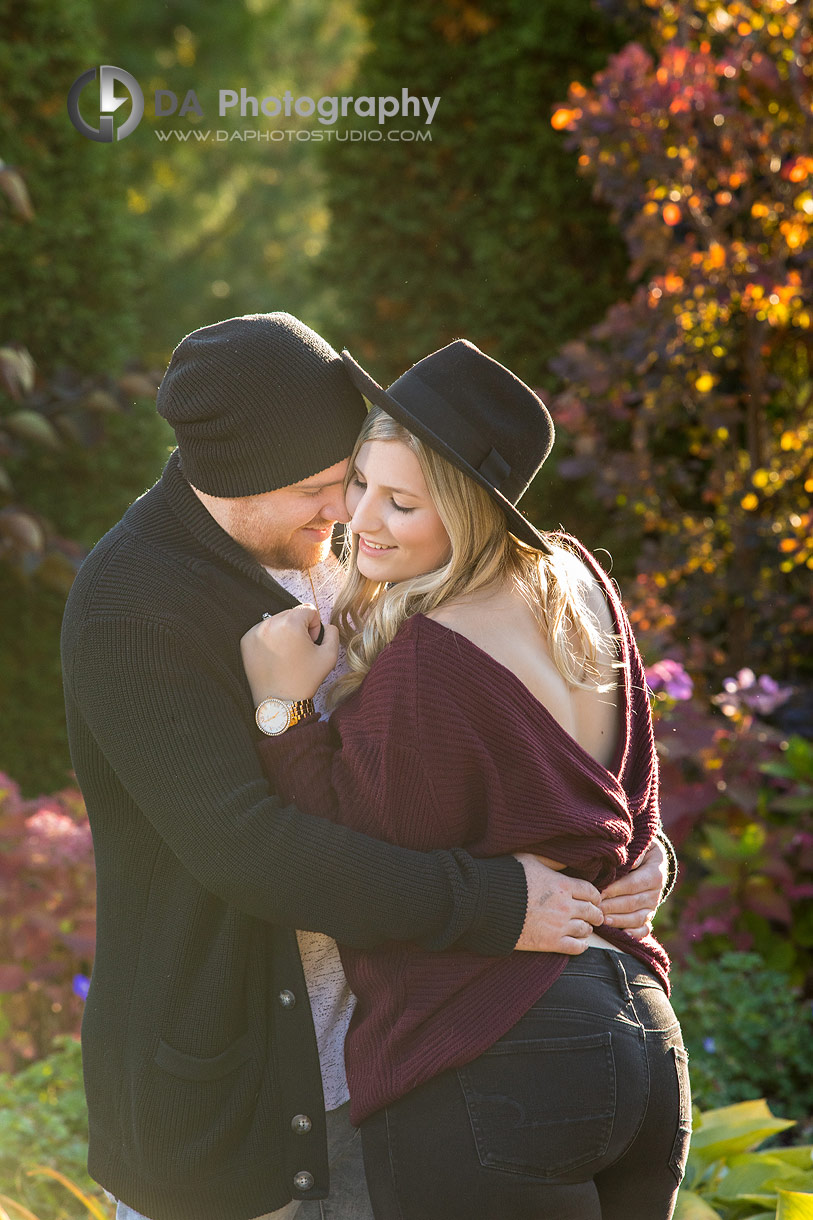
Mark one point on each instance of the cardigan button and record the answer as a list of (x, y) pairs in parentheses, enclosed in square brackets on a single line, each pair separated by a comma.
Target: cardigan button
[(287, 999), (301, 1124), (303, 1180)]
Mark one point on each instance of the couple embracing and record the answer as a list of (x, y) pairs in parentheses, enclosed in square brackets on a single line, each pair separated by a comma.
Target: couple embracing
[(377, 838)]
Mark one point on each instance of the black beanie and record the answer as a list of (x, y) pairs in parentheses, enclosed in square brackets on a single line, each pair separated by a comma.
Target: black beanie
[(257, 403)]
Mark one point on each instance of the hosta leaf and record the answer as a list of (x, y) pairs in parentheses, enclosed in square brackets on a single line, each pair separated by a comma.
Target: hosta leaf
[(690, 1206), (733, 1129), (802, 1182), (800, 1155), (750, 1175), (794, 1206)]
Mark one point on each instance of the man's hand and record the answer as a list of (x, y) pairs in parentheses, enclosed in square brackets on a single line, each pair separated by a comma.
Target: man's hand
[(562, 911), (631, 902)]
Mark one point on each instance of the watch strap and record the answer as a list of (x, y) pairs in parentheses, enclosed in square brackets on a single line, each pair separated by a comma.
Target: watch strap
[(300, 710)]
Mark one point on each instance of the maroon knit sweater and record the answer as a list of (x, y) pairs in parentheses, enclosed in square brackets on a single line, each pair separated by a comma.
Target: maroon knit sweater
[(440, 747)]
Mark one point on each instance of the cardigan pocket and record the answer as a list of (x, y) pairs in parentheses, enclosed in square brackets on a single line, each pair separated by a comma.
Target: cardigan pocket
[(191, 1112), (192, 1067)]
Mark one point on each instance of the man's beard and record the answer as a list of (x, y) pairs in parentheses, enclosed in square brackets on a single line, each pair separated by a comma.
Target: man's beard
[(295, 552)]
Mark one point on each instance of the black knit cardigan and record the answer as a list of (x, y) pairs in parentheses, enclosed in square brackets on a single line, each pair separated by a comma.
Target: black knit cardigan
[(198, 1044)]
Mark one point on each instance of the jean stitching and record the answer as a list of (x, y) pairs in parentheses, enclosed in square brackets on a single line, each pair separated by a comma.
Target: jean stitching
[(391, 1160), (642, 1044), (684, 1132), (623, 980)]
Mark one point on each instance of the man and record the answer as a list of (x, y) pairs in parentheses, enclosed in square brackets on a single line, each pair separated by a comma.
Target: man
[(202, 1069)]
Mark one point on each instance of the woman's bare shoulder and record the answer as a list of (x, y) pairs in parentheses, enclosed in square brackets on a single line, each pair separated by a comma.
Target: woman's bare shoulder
[(472, 616)]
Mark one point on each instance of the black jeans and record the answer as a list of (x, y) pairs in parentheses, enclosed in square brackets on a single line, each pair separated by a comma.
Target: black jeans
[(581, 1112)]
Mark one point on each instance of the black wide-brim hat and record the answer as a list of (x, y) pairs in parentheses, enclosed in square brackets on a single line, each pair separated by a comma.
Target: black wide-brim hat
[(475, 413)]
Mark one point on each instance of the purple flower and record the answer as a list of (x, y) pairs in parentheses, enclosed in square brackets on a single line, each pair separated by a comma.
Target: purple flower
[(762, 695), (709, 1046), (670, 676), (81, 984)]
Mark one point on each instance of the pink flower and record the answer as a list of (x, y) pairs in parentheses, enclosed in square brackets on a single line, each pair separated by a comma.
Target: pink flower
[(670, 676), (53, 838)]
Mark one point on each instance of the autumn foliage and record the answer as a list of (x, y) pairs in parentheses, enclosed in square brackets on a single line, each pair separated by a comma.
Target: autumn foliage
[(690, 405), (47, 918)]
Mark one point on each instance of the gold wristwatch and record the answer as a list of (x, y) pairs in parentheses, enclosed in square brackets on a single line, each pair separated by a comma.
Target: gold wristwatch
[(274, 716)]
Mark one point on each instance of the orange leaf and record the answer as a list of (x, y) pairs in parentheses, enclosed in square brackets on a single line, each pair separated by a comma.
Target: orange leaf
[(563, 117)]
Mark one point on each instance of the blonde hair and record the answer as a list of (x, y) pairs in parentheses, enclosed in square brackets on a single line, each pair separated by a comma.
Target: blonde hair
[(483, 554)]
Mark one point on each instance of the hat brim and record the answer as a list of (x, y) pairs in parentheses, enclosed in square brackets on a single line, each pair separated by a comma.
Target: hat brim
[(518, 524)]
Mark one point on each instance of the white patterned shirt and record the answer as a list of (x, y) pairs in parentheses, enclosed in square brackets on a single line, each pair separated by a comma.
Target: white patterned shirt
[(332, 1001)]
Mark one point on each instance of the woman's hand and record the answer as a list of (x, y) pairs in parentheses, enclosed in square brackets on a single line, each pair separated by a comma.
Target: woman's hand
[(631, 902), (282, 660)]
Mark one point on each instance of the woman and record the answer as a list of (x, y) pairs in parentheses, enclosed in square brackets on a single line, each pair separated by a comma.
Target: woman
[(491, 667)]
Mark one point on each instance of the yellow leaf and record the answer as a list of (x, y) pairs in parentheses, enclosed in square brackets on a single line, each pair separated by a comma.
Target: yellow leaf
[(18, 1208), (91, 1204), (794, 1206)]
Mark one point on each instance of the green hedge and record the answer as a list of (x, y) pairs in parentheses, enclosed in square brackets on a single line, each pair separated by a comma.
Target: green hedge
[(486, 232), (71, 275)]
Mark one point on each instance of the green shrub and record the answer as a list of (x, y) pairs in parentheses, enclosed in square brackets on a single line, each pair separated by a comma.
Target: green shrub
[(67, 493), (73, 271), (43, 1122), (749, 1033), (737, 798), (486, 231)]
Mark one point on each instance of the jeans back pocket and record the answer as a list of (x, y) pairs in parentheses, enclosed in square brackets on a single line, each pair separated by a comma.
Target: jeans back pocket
[(542, 1107)]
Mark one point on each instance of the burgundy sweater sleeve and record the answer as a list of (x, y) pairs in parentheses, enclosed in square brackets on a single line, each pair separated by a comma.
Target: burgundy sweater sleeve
[(370, 785), (363, 767)]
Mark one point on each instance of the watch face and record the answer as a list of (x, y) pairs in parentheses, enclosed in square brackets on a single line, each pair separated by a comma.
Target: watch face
[(273, 716)]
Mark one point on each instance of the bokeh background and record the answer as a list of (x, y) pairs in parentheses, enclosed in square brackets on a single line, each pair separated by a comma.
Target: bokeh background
[(617, 202)]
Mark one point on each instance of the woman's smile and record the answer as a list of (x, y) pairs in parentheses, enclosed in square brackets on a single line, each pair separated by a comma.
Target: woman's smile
[(368, 546)]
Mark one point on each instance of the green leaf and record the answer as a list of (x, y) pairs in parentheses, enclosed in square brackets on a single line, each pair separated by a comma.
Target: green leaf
[(732, 1129), (800, 1155), (802, 1182), (794, 1206), (799, 755), (750, 1175), (690, 1206), (793, 804)]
